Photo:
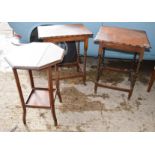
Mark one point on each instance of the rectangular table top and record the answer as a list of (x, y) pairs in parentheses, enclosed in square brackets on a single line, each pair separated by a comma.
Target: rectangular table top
[(122, 36), (67, 30), (34, 55)]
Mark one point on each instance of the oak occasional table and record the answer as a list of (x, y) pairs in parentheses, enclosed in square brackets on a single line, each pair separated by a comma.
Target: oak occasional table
[(36, 56), (65, 33), (125, 40)]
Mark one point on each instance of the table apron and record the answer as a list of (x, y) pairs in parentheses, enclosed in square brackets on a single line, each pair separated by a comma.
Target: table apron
[(124, 48), (62, 39)]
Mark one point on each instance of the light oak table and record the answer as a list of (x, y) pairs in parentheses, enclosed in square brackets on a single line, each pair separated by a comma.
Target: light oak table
[(122, 40), (36, 56), (65, 33)]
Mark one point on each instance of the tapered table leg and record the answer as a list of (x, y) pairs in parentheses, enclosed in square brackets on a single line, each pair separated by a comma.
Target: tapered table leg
[(51, 96), (31, 78), (20, 94)]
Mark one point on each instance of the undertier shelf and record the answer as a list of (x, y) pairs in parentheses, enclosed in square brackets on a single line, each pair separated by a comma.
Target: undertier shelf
[(39, 98)]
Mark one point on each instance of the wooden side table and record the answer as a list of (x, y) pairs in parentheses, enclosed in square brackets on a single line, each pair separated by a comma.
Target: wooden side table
[(124, 40), (64, 33), (36, 56)]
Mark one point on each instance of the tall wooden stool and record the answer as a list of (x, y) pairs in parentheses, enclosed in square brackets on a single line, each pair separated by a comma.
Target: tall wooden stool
[(151, 80), (36, 56)]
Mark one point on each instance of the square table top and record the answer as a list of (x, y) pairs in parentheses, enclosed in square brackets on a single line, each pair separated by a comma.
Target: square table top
[(122, 36), (34, 56), (63, 31)]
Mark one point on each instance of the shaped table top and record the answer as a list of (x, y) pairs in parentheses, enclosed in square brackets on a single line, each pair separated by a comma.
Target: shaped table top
[(122, 36), (34, 56)]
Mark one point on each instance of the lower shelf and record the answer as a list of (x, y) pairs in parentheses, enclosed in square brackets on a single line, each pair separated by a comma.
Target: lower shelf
[(39, 98)]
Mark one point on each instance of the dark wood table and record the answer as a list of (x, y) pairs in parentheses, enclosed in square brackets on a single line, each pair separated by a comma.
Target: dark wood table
[(125, 40), (65, 33), (36, 56)]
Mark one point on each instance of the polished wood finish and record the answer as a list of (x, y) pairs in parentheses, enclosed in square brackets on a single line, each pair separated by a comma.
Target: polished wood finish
[(123, 36), (152, 79), (122, 40), (69, 32), (48, 55)]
